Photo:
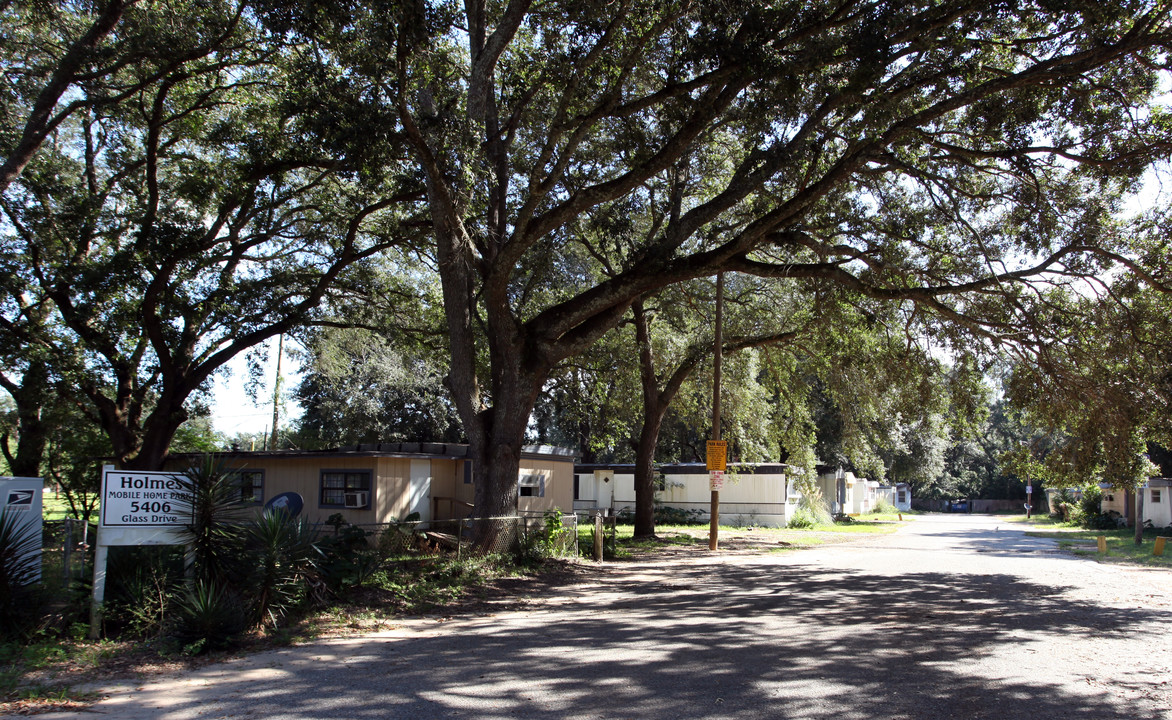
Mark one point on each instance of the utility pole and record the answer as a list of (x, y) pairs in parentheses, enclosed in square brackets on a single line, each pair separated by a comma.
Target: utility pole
[(716, 465), (277, 389)]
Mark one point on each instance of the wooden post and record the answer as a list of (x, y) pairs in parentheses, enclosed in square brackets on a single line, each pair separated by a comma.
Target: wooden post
[(717, 353), (598, 536), (67, 552), (277, 390), (99, 587), (1102, 544), (1158, 548)]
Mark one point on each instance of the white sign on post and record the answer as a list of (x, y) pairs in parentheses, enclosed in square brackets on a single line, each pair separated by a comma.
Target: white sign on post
[(138, 508), (139, 499)]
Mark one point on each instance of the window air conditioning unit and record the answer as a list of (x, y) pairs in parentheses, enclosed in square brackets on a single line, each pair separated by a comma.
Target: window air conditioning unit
[(356, 499)]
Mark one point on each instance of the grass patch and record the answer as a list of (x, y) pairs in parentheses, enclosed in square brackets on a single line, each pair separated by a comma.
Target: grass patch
[(1121, 547), (54, 507), (34, 676), (1040, 521), (421, 585), (864, 525), (768, 539)]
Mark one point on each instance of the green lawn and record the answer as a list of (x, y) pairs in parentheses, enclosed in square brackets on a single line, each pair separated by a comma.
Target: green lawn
[(768, 538), (1121, 547)]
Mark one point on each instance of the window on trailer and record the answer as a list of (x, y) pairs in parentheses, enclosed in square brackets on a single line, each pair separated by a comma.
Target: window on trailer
[(532, 485), (252, 485), (336, 483)]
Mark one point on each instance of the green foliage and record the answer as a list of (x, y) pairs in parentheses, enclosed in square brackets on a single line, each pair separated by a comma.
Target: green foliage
[(1101, 387), (190, 218), (884, 507), (357, 387), (812, 506), (802, 519), (208, 617), (214, 534), (142, 586), (550, 538), (349, 559), (1091, 502), (284, 557), (668, 515)]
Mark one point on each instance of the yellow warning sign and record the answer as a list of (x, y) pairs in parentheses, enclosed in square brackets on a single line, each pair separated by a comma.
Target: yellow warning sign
[(717, 455)]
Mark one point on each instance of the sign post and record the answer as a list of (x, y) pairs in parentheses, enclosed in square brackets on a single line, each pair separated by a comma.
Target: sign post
[(1029, 498), (717, 461), (716, 481), (137, 508)]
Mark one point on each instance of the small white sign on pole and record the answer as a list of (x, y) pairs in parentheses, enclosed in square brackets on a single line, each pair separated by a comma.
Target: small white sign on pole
[(716, 480)]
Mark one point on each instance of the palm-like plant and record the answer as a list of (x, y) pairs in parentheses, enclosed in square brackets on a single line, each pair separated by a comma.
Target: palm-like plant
[(214, 535), (20, 565), (284, 558)]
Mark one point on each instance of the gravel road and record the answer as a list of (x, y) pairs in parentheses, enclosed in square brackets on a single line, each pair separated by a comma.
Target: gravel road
[(951, 617)]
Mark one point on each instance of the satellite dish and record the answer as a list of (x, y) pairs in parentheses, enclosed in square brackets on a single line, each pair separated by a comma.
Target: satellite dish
[(287, 502)]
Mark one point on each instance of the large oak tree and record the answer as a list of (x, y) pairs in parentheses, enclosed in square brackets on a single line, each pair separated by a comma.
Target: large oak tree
[(213, 203), (946, 154)]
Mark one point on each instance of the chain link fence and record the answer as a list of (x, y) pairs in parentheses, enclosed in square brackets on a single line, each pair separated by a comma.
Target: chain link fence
[(67, 551)]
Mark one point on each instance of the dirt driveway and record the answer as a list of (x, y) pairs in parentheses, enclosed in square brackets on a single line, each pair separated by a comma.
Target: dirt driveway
[(952, 617)]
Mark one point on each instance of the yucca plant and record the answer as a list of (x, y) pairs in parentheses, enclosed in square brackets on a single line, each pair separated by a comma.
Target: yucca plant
[(208, 617), (214, 536), (20, 563), (283, 556)]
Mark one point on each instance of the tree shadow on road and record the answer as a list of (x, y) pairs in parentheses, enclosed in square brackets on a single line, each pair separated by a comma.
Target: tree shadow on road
[(719, 640)]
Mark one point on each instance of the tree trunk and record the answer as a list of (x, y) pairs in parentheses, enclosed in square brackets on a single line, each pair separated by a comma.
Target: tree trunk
[(1139, 516), (30, 397), (645, 472)]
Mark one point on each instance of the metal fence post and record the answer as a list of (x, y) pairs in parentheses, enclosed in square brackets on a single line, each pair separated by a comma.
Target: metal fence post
[(67, 552)]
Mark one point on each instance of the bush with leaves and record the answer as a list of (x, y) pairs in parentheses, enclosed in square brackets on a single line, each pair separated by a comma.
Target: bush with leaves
[(549, 539), (141, 588), (284, 558), (257, 566), (213, 536), (348, 558), (811, 500), (1091, 502), (208, 617), (802, 519)]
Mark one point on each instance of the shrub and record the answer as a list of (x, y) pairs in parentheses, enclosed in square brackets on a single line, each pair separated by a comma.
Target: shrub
[(668, 515), (348, 557), (884, 507), (550, 539), (283, 555), (208, 617), (217, 510), (142, 585), (802, 519), (1063, 504), (1091, 503)]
